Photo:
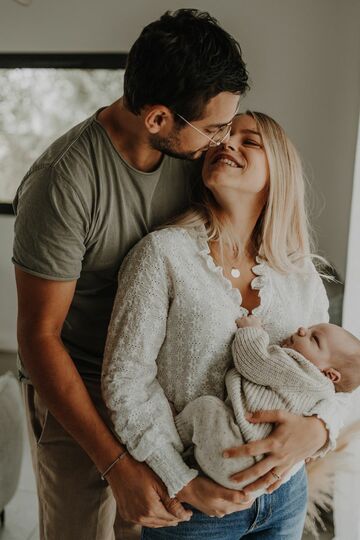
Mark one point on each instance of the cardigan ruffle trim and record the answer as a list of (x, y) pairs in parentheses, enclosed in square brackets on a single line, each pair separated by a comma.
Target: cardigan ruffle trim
[(260, 282)]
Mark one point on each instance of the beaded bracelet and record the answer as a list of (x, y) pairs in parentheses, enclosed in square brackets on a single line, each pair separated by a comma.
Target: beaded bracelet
[(121, 456)]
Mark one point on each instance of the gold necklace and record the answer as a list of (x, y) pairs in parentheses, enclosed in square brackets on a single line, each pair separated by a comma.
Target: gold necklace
[(234, 270)]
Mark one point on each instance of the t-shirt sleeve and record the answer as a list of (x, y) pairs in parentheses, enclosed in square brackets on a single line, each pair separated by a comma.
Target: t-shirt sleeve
[(50, 227)]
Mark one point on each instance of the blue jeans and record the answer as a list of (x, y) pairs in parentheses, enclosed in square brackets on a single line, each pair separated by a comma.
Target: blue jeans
[(280, 515)]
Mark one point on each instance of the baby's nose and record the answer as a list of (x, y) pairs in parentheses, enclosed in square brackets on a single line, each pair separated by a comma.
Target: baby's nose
[(301, 331)]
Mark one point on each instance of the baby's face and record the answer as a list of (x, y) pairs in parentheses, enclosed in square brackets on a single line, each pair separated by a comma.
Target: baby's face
[(319, 343)]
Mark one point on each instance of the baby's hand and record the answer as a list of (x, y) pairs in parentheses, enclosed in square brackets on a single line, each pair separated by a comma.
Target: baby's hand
[(249, 321)]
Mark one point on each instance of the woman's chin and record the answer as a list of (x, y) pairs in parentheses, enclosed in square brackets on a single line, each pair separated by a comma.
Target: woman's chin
[(218, 177), (218, 182)]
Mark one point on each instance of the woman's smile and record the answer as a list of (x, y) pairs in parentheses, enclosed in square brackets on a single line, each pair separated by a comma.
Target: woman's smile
[(225, 158)]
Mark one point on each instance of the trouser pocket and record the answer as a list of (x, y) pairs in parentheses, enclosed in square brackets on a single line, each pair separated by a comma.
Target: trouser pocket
[(38, 413)]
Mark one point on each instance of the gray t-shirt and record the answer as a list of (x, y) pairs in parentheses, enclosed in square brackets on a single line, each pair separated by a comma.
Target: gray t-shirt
[(79, 210)]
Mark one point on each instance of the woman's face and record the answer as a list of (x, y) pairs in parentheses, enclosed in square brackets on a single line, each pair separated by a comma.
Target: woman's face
[(238, 164)]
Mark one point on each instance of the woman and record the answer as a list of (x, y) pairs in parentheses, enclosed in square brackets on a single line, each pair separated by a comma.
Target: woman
[(243, 247)]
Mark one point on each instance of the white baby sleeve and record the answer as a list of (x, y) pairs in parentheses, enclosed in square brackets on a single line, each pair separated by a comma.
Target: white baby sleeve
[(259, 363)]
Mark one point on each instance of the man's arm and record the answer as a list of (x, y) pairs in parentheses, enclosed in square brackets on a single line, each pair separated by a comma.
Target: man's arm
[(42, 308)]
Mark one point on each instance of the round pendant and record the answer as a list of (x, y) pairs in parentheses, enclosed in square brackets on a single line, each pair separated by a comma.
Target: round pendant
[(235, 272)]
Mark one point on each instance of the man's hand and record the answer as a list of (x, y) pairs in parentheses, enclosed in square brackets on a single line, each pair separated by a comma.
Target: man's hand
[(213, 499), (142, 498), (293, 439), (250, 320)]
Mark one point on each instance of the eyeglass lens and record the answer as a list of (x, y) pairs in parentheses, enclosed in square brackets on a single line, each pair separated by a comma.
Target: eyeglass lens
[(220, 135)]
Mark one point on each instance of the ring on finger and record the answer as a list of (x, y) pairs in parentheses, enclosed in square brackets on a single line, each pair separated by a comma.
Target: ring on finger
[(275, 475)]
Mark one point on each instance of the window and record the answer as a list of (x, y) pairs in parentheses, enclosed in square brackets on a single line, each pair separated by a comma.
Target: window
[(41, 97)]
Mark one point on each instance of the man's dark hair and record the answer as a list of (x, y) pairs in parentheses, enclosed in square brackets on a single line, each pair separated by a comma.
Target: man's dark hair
[(181, 61)]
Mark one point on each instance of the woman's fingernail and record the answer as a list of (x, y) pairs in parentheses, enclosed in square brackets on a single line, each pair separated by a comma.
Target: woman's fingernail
[(226, 454)]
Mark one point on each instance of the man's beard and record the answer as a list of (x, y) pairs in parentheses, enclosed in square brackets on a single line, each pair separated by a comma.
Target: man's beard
[(169, 146)]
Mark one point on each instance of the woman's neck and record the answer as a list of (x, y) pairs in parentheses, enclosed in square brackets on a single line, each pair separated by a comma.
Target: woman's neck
[(242, 210), (243, 219)]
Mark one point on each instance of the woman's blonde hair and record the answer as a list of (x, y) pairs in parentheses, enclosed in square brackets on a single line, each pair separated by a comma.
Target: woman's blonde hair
[(281, 235)]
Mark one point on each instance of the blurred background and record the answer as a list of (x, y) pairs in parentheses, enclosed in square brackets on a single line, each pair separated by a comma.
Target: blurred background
[(303, 58)]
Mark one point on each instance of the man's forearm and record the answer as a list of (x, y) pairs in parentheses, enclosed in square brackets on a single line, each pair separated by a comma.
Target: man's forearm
[(60, 386)]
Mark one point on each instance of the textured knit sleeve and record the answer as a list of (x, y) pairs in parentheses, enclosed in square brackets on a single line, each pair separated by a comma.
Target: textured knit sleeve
[(332, 413), (250, 354), (275, 368), (320, 302), (138, 406)]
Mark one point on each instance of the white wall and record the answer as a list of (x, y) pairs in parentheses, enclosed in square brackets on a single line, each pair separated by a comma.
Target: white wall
[(304, 62)]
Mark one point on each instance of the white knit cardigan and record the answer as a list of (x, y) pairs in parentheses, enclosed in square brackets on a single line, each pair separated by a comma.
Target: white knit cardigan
[(170, 339)]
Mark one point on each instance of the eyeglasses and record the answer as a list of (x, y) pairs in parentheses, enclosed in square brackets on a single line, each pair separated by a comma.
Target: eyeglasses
[(217, 138)]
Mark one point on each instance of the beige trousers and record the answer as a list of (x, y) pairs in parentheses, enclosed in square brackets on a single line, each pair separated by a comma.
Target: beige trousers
[(74, 503)]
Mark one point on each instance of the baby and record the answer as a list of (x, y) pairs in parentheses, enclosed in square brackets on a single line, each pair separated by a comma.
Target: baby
[(309, 366)]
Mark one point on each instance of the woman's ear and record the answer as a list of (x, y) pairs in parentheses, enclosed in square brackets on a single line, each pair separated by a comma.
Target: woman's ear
[(333, 374), (156, 117)]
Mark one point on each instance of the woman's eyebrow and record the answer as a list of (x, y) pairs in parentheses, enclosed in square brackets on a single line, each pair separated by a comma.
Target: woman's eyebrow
[(250, 131)]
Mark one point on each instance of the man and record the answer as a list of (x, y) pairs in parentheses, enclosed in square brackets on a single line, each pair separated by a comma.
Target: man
[(83, 204)]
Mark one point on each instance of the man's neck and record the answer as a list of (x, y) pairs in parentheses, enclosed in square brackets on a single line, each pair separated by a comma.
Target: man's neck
[(129, 136)]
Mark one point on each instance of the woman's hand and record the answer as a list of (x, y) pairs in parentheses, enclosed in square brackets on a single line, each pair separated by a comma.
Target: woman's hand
[(213, 499), (293, 439)]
